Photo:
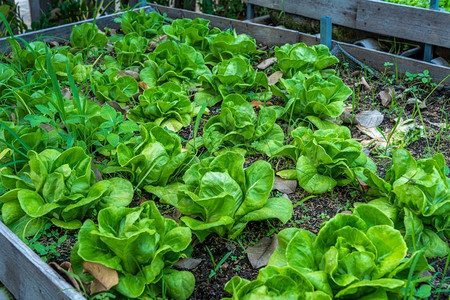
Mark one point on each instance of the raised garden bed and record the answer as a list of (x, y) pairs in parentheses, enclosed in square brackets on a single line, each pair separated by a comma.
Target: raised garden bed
[(219, 259)]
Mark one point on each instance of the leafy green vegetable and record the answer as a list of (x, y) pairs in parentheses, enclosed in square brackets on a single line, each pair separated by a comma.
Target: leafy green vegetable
[(130, 49), (86, 36), (238, 126), (57, 186), (171, 61), (167, 105), (194, 33), (228, 44), (109, 87), (142, 246), (274, 283), (155, 158), (325, 158), (301, 58), (419, 192), (351, 257), (313, 96), (219, 196), (144, 24), (233, 76)]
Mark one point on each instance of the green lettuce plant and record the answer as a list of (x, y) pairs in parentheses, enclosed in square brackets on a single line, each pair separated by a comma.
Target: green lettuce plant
[(417, 193), (86, 36), (130, 49), (167, 105), (155, 158), (108, 86), (228, 44), (353, 256), (175, 62), (144, 24), (58, 187), (238, 126), (60, 60), (219, 196), (195, 33), (325, 158), (301, 58), (142, 246), (233, 76), (312, 96)]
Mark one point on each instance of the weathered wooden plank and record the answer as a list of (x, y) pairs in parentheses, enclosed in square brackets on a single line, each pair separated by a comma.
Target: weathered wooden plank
[(35, 10), (376, 59), (408, 22), (25, 274), (343, 12)]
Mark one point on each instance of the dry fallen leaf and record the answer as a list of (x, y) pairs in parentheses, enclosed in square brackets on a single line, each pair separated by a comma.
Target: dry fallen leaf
[(369, 118), (105, 278), (259, 254), (133, 74), (61, 270), (284, 185), (386, 96), (347, 115), (158, 40), (97, 173), (143, 86), (187, 263), (364, 83), (266, 63), (371, 132), (117, 107), (273, 79)]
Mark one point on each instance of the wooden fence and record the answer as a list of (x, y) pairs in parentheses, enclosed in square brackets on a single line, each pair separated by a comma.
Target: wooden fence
[(401, 21)]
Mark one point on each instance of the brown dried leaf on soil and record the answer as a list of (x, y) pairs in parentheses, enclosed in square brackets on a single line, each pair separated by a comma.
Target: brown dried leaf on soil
[(187, 263), (105, 278), (369, 118), (284, 185), (131, 73), (273, 79), (266, 63), (117, 107), (158, 40), (386, 96), (364, 83), (259, 254), (143, 86), (63, 270)]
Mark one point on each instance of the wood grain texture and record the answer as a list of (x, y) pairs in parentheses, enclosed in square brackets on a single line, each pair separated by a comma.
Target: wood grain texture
[(401, 21), (407, 22), (343, 12), (25, 274)]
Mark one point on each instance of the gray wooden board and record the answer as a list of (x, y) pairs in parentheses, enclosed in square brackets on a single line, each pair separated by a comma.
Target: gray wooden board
[(25, 274), (408, 22), (343, 12), (402, 21)]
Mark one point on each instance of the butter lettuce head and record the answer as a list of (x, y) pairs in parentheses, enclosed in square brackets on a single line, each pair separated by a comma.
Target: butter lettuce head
[(166, 105), (58, 187), (233, 76), (301, 58), (351, 256), (175, 62), (326, 158), (313, 95), (142, 246), (238, 126), (145, 24), (153, 159), (219, 196)]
